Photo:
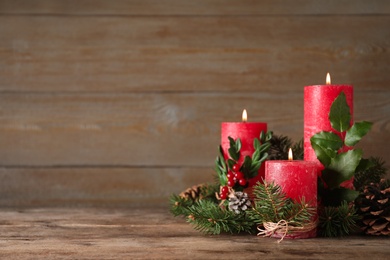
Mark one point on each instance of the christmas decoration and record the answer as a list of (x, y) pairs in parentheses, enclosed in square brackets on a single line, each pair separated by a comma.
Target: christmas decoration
[(235, 175), (337, 221), (206, 206), (277, 215), (374, 206), (280, 145), (340, 165), (371, 170), (318, 103), (334, 149), (239, 202), (192, 193)]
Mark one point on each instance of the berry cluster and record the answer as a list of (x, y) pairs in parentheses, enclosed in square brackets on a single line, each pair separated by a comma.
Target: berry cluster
[(233, 177), (224, 192)]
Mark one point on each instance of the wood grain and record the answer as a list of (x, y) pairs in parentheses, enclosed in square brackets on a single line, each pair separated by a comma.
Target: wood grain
[(200, 7), (152, 129), (105, 102), (64, 233), (154, 54), (99, 186)]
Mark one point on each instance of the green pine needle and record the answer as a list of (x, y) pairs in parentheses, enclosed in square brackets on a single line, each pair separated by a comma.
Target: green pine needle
[(337, 221), (210, 218), (272, 205), (373, 174)]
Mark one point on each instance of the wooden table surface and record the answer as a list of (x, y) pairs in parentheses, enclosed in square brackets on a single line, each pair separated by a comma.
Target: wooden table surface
[(91, 233)]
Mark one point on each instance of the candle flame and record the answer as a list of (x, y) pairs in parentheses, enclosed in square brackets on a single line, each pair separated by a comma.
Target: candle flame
[(290, 155), (328, 81), (244, 116)]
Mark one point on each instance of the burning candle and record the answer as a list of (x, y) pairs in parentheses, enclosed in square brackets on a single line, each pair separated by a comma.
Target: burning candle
[(247, 132), (298, 180), (318, 100)]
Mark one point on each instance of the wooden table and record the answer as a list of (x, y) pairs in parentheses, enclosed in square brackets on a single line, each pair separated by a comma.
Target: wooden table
[(91, 233)]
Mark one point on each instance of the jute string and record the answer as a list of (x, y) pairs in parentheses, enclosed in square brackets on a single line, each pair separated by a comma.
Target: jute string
[(282, 228)]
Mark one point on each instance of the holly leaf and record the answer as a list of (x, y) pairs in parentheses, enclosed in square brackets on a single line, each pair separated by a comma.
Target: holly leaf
[(340, 115), (326, 145), (364, 165), (324, 155), (356, 132), (341, 168), (327, 140)]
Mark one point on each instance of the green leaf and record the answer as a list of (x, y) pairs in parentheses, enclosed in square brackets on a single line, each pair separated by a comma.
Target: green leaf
[(264, 157), (238, 145), (342, 168), (234, 149), (246, 167), (233, 154), (364, 165), (327, 140), (340, 115), (324, 155), (231, 163), (256, 143), (264, 147), (356, 132), (256, 155), (255, 167)]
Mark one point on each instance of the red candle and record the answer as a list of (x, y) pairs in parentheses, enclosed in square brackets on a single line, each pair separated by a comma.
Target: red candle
[(247, 132), (318, 100), (298, 180)]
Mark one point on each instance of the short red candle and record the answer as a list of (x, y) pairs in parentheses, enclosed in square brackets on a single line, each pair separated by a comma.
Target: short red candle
[(318, 100), (247, 132), (298, 180)]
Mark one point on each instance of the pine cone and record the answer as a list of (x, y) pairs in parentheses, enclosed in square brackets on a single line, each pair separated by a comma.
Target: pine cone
[(194, 193), (239, 202), (373, 205)]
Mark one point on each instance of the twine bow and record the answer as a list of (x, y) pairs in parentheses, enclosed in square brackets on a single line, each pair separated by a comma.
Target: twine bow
[(282, 227)]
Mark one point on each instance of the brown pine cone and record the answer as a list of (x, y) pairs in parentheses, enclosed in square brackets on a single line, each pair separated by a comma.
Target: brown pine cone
[(373, 205)]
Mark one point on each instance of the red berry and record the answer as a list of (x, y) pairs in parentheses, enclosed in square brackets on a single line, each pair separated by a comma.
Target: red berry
[(230, 176), (223, 196), (225, 190), (242, 182), (230, 183), (236, 167), (239, 175)]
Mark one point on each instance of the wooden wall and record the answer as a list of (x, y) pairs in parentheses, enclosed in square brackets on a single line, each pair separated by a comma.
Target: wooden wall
[(120, 102)]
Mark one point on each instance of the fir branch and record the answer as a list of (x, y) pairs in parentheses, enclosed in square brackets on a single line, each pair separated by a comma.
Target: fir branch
[(272, 205), (372, 174), (179, 205), (269, 201), (299, 213), (210, 218), (337, 221), (280, 144)]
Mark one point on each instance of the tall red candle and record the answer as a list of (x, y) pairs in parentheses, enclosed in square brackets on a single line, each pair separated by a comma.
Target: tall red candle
[(247, 132), (298, 180), (318, 100)]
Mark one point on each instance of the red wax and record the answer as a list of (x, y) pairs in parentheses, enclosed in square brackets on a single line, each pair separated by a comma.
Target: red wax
[(318, 100), (247, 132), (298, 180)]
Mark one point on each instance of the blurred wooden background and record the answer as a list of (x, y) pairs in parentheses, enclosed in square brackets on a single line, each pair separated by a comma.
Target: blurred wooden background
[(120, 102)]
